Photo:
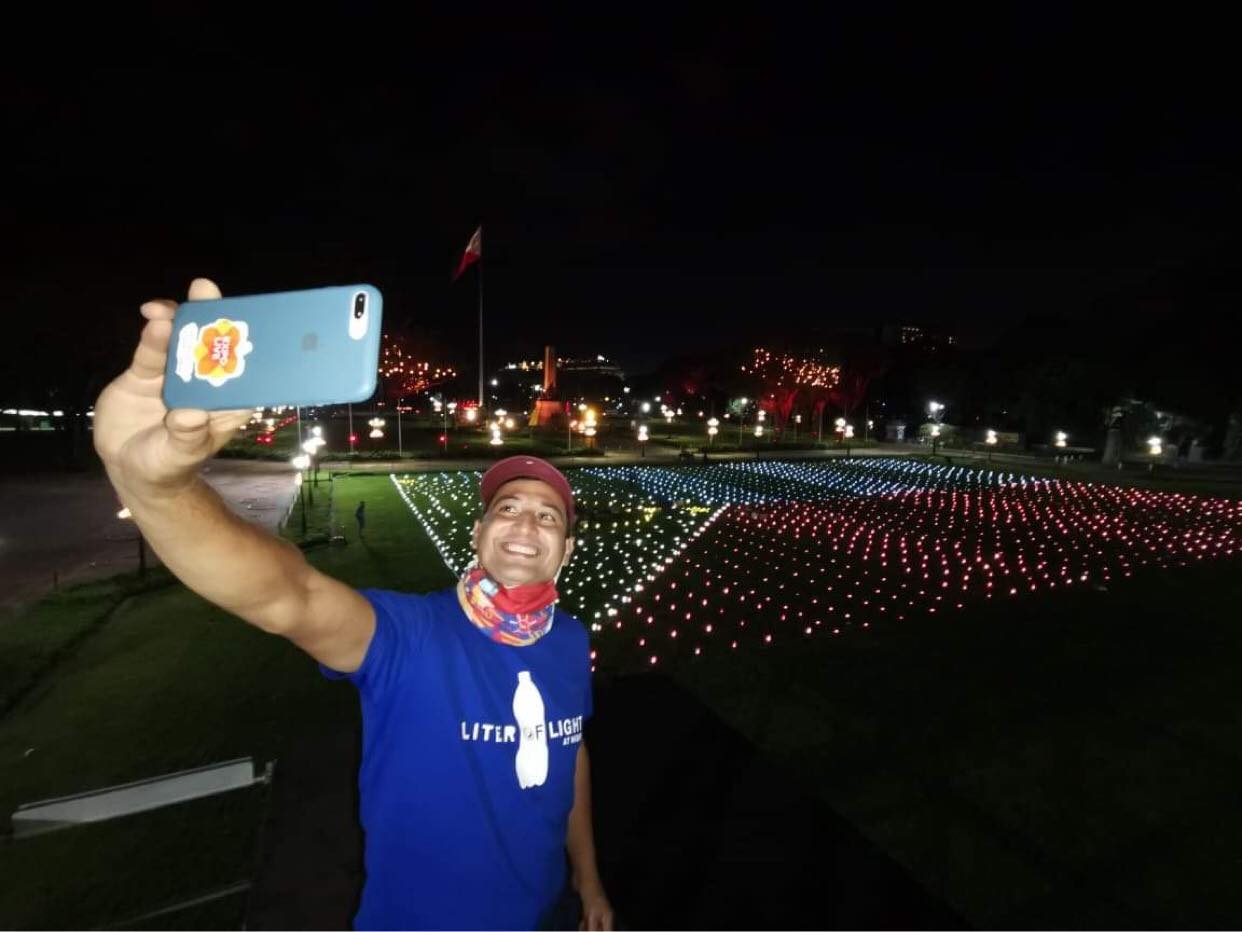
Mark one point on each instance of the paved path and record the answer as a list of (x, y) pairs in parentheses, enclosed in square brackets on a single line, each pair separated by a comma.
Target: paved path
[(67, 525)]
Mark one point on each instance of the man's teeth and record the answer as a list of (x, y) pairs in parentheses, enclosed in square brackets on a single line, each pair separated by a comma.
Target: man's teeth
[(521, 549)]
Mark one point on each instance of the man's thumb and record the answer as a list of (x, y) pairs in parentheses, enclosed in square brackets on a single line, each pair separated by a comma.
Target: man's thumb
[(188, 436)]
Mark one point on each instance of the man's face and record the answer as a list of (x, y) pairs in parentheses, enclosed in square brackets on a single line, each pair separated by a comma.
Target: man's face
[(523, 536)]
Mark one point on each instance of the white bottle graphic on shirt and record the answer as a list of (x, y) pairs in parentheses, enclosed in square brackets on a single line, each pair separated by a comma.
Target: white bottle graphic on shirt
[(532, 753)]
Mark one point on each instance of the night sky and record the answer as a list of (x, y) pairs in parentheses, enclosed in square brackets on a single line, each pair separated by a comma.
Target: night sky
[(646, 187)]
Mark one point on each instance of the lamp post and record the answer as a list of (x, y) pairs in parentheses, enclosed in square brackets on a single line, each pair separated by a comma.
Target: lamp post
[(990, 439), (741, 421), (1155, 449), (125, 515), (317, 437), (713, 428), (935, 411), (642, 439), (309, 449), (300, 463)]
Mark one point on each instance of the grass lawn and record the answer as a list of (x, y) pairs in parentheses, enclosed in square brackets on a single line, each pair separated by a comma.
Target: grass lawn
[(167, 682), (1066, 758)]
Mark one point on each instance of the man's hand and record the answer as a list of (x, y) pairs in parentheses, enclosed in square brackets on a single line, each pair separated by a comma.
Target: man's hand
[(596, 910), (144, 446)]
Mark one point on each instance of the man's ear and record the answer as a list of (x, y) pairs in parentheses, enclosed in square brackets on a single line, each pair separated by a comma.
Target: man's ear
[(569, 551), (474, 537)]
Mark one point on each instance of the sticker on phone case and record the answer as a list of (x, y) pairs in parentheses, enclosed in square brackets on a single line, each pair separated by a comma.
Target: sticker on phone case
[(215, 352)]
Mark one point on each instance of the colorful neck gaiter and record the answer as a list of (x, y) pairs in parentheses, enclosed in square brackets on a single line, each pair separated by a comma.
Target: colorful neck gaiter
[(519, 616)]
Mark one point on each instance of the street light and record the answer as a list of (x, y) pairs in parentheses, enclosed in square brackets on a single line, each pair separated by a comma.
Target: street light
[(496, 440), (125, 515), (377, 425), (1060, 439), (642, 439), (1155, 445), (713, 427), (991, 438)]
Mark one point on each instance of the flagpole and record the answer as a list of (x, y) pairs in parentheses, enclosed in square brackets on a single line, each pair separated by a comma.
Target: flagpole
[(480, 264)]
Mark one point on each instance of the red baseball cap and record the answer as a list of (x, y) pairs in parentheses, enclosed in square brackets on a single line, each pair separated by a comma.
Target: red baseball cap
[(528, 467)]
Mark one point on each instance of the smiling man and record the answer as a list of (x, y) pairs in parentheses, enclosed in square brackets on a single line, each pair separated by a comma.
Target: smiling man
[(477, 697), (475, 780)]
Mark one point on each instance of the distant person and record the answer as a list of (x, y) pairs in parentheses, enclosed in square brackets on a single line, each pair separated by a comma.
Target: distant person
[(360, 515), (475, 781)]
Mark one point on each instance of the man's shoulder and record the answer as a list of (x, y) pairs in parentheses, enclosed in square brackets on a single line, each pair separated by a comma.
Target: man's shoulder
[(571, 627), (405, 604)]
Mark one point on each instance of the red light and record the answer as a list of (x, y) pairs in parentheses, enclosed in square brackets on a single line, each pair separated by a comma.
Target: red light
[(353, 438)]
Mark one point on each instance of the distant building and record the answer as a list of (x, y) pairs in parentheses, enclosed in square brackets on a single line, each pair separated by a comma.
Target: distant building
[(915, 336)]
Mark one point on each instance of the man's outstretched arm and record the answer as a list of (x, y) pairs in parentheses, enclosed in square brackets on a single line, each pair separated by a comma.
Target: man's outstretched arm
[(153, 455)]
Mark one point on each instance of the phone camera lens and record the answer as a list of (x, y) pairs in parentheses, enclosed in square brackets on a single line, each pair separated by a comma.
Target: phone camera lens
[(360, 305)]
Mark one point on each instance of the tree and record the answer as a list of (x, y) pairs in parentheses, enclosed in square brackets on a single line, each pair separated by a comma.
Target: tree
[(403, 375), (782, 379)]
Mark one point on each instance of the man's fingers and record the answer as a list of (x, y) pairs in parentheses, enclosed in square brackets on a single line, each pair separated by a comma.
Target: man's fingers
[(152, 350), (188, 435), (204, 289), (226, 422), (159, 309)]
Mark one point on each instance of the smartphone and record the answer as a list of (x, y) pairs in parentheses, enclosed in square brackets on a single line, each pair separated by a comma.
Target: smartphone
[(314, 347)]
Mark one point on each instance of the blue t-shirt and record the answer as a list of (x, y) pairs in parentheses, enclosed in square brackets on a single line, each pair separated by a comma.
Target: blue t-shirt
[(466, 787)]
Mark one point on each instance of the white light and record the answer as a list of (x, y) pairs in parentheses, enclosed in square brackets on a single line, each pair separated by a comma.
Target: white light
[(1155, 446), (849, 431), (310, 446), (758, 430), (317, 431), (645, 407), (495, 382), (713, 422), (301, 461), (990, 438), (626, 389), (935, 431), (124, 513), (509, 423), (1061, 438)]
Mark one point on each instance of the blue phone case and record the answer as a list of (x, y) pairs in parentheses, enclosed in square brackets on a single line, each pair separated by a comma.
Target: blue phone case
[(313, 347)]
